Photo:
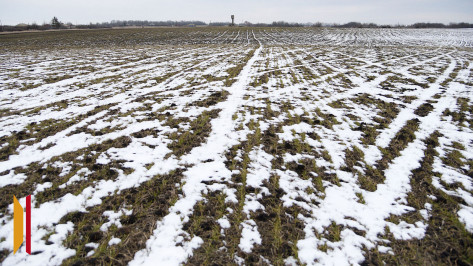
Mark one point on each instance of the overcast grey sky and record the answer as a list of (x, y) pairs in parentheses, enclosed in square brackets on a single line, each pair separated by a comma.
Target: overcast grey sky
[(338, 11)]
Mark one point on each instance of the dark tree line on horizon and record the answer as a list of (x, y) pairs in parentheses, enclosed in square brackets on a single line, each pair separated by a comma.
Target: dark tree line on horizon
[(56, 24)]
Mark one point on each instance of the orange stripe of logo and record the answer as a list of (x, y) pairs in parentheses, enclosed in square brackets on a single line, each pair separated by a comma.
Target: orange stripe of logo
[(17, 225)]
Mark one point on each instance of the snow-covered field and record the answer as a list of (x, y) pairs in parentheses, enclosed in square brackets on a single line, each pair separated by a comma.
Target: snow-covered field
[(238, 146)]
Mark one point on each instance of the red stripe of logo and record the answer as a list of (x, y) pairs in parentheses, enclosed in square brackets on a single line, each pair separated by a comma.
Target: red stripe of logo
[(28, 224)]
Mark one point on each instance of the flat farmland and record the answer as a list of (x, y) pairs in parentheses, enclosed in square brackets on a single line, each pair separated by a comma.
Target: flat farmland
[(238, 146)]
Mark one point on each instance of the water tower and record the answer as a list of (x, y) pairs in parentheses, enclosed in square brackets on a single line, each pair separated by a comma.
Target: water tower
[(233, 20)]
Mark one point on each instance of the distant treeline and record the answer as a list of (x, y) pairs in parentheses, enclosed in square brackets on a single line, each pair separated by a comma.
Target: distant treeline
[(56, 24), (143, 23), (414, 26)]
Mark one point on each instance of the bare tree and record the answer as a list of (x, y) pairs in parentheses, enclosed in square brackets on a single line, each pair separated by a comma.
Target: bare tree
[(55, 23)]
